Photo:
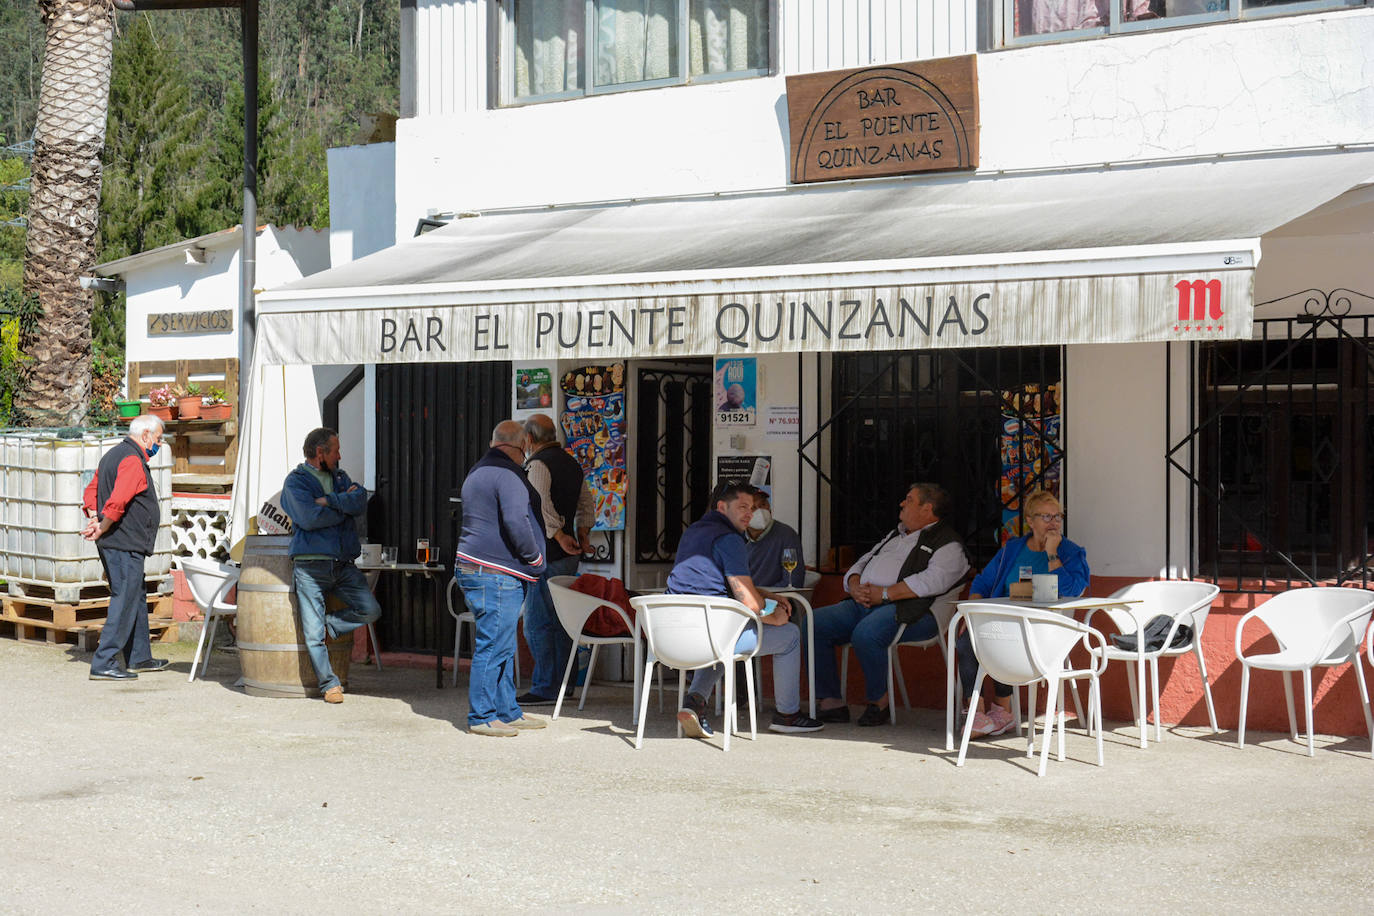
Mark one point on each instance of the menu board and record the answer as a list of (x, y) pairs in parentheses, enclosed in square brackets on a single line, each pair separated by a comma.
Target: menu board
[(593, 422)]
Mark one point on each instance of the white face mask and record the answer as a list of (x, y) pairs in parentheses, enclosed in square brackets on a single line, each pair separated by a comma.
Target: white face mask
[(761, 519)]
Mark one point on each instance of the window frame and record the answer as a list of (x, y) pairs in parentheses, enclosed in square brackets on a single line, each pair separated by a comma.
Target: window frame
[(1003, 14), (503, 60)]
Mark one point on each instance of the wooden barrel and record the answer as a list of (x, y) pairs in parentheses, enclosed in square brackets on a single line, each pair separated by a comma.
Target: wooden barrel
[(271, 645)]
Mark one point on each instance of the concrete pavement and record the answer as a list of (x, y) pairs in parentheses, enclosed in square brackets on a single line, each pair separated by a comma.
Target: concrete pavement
[(164, 796)]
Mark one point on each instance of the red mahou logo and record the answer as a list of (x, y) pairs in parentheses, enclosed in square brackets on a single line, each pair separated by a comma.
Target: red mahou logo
[(1199, 301)]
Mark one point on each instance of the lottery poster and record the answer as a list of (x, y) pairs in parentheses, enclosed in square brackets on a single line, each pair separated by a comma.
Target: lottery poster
[(1031, 457), (594, 429), (736, 390)]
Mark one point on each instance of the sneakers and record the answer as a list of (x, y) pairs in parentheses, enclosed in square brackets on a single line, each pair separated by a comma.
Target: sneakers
[(874, 715), (493, 729), (795, 722), (334, 694), (527, 722), (838, 714), (692, 717), (152, 664), (1000, 718), (534, 699)]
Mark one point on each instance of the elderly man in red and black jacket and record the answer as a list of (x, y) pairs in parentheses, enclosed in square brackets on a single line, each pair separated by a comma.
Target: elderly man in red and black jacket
[(121, 502)]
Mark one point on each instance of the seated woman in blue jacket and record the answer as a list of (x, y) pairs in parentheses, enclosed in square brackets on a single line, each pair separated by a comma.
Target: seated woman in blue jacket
[(1044, 550)]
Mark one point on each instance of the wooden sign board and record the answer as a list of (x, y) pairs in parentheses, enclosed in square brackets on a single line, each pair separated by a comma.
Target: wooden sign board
[(893, 119), (164, 323)]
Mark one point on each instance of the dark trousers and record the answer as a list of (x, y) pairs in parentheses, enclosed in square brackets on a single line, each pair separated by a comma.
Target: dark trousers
[(126, 627)]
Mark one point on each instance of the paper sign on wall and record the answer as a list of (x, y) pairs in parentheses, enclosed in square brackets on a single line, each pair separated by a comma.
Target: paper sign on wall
[(782, 422)]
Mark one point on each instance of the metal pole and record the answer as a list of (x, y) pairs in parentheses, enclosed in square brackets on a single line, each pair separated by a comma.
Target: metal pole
[(248, 256)]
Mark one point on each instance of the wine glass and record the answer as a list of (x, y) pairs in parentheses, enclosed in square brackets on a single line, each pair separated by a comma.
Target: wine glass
[(422, 550), (789, 561)]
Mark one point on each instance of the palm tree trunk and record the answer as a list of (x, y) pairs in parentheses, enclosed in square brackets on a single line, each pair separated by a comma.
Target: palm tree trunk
[(64, 204)]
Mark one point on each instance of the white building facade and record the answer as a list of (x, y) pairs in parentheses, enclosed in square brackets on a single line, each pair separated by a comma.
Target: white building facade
[(626, 149)]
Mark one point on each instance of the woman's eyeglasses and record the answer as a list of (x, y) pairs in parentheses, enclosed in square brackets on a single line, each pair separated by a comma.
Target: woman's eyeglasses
[(1048, 517)]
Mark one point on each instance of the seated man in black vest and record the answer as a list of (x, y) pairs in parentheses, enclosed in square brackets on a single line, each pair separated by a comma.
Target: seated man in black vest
[(891, 587)]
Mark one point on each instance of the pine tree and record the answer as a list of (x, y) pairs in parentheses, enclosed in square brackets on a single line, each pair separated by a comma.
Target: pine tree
[(154, 151)]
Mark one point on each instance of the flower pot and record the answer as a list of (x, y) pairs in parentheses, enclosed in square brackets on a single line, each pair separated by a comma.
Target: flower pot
[(188, 409), (216, 411), (129, 408), (163, 413)]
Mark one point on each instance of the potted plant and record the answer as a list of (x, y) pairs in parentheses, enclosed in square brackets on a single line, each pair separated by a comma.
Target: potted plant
[(129, 409), (188, 402), (214, 407), (161, 404)]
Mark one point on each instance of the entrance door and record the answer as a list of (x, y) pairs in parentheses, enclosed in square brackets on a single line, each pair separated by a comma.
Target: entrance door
[(671, 477)]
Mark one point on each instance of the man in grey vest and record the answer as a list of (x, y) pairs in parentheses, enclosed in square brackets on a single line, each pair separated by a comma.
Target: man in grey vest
[(121, 503), (567, 508), (891, 587)]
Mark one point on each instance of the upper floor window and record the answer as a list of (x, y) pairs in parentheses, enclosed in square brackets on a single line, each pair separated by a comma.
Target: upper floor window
[(1038, 20), (556, 49)]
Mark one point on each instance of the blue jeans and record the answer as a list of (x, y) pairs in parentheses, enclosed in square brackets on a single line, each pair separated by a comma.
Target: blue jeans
[(550, 644), (494, 599), (316, 578), (126, 625), (870, 631), (784, 644)]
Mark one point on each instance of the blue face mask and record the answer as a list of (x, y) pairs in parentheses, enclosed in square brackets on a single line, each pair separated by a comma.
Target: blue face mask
[(150, 452)]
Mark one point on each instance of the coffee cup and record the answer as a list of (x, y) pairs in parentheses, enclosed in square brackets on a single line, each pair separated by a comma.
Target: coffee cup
[(1044, 588), (371, 555)]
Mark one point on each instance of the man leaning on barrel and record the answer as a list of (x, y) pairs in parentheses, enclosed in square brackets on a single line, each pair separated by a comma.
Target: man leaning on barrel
[(322, 503), (121, 502)]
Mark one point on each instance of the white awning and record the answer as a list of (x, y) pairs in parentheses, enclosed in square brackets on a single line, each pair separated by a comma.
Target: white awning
[(1113, 254)]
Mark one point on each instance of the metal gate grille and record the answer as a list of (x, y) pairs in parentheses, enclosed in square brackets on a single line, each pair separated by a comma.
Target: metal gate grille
[(672, 448), (1283, 486), (944, 416)]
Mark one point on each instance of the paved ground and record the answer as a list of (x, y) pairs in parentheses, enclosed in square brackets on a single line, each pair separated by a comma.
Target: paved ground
[(164, 796)]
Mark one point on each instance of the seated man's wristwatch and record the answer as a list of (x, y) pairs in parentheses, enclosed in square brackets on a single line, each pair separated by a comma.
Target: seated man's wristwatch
[(884, 594)]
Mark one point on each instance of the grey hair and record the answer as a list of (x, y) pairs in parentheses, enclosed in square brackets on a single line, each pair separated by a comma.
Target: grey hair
[(144, 423), (507, 432), (540, 429)]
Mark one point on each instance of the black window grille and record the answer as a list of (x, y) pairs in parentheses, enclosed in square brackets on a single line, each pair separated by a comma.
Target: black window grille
[(981, 422), (1285, 488)]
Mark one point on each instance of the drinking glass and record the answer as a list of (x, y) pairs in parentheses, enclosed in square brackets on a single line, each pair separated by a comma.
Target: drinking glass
[(789, 561), (422, 550), (389, 556)]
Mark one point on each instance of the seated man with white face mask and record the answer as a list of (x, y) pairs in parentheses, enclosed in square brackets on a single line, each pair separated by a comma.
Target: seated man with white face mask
[(767, 539)]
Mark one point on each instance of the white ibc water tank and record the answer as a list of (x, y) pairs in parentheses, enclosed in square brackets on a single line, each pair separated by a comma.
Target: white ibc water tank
[(42, 479)]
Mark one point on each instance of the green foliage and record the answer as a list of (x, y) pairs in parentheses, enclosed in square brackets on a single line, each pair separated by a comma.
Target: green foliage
[(18, 314), (21, 55), (152, 193)]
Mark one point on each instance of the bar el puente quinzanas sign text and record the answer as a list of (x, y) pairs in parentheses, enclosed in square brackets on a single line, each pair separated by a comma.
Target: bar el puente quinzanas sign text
[(889, 120)]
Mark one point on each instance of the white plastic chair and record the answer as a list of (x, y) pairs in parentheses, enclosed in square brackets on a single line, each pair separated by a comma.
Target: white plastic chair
[(801, 607), (209, 583), (1188, 604), (943, 607), (1023, 647), (574, 609), (465, 617), (688, 632), (1314, 627)]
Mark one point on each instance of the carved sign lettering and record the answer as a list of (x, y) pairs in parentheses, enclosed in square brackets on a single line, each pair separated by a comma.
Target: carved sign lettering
[(164, 323), (889, 120)]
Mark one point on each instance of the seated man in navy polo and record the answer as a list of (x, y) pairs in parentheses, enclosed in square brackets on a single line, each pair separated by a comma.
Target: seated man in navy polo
[(712, 560)]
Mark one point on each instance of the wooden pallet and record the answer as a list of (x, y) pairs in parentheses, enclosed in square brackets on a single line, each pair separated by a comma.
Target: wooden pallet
[(162, 629)]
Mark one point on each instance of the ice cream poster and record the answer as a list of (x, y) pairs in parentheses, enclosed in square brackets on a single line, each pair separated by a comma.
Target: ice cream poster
[(736, 390), (594, 428)]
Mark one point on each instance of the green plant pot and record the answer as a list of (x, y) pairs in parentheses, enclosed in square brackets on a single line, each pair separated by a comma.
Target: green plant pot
[(129, 408)]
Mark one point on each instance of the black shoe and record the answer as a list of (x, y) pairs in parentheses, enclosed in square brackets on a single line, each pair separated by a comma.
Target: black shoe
[(692, 717), (152, 664), (113, 674), (534, 699), (796, 722), (874, 715), (838, 714)]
